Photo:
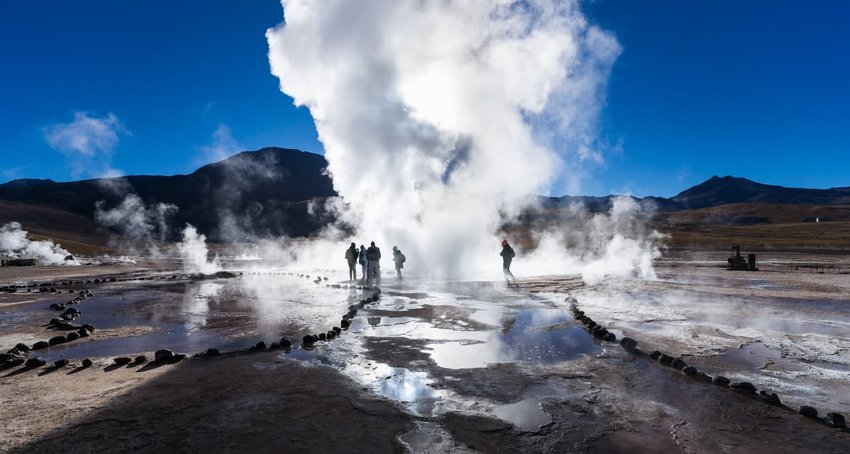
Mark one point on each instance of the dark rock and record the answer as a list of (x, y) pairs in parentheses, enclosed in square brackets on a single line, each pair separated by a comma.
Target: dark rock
[(140, 359), (274, 346), (721, 381), (689, 370), (35, 362), (72, 336), (89, 328), (331, 334), (809, 412), (337, 329), (345, 324), (655, 355), (15, 352), (122, 360), (309, 340), (57, 340), (213, 352), (57, 306), (678, 364), (10, 355), (83, 332), (61, 363), (599, 333), (40, 345), (743, 386), (590, 324), (665, 360), (628, 344), (260, 346), (609, 337), (14, 362), (322, 336), (703, 377), (163, 354), (835, 420), (285, 343), (770, 398)]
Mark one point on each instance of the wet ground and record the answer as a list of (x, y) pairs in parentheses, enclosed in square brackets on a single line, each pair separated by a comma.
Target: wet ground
[(481, 367)]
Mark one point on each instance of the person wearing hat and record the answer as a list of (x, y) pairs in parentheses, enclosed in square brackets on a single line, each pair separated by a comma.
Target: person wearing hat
[(351, 256), (508, 255), (398, 259)]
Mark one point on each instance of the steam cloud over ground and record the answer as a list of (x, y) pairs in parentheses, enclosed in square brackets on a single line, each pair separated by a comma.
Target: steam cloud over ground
[(438, 118), (15, 243)]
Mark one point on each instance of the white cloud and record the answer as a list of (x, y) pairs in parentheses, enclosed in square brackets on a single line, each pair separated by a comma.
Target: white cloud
[(88, 143)]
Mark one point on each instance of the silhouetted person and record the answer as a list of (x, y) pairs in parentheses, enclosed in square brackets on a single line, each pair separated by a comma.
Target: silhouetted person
[(363, 260), (351, 257), (373, 256), (508, 255), (398, 259)]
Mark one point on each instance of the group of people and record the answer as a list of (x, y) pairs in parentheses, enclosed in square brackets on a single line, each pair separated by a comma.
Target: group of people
[(370, 258), (370, 262)]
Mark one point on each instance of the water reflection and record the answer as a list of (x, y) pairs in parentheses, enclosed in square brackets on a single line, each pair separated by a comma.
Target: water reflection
[(197, 305), (408, 387), (526, 414)]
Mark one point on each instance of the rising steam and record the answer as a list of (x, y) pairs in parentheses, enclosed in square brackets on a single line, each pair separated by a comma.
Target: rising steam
[(439, 117), (14, 242), (193, 250)]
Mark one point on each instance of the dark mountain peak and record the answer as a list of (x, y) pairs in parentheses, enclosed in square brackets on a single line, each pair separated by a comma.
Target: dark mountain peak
[(726, 190), (26, 182)]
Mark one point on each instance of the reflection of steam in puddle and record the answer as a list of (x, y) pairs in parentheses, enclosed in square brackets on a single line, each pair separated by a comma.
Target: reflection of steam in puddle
[(410, 388), (526, 414), (757, 356), (532, 335)]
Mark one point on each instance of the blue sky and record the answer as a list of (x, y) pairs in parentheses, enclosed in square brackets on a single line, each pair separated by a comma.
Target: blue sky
[(756, 89)]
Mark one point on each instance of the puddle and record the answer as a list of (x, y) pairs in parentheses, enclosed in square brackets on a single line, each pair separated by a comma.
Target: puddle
[(526, 414), (535, 336), (757, 357), (413, 389)]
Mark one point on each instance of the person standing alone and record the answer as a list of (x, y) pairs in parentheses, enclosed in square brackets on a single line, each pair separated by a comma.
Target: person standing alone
[(508, 255), (398, 259), (351, 257), (373, 256)]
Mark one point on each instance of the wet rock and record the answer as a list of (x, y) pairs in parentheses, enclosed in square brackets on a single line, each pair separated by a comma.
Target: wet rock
[(83, 332), (743, 386), (309, 340), (665, 360), (14, 362), (60, 363), (15, 352), (35, 362), (609, 337), (40, 345), (87, 327), (8, 356), (261, 346), (655, 355), (345, 324), (703, 377), (721, 381), (337, 330), (322, 336), (628, 344), (122, 360), (285, 342), (87, 363), (72, 336), (163, 354), (600, 332), (809, 412), (57, 340), (835, 420), (331, 334), (57, 306), (679, 364), (690, 371), (212, 352), (590, 323), (770, 398)]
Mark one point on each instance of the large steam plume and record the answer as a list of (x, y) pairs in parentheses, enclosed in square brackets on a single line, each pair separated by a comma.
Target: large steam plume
[(439, 117)]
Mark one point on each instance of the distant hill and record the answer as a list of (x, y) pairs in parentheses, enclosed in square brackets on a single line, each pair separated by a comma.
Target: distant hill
[(264, 192)]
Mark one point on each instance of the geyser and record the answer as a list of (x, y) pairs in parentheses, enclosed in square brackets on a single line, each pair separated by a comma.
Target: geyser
[(438, 117)]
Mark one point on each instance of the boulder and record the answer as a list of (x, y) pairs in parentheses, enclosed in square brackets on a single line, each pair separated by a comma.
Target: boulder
[(40, 345), (679, 364), (721, 381), (809, 412), (835, 420), (655, 355), (61, 363), (285, 342), (72, 336), (83, 332), (609, 337), (57, 306), (14, 362), (628, 344), (322, 336), (665, 360), (87, 327), (336, 329), (743, 386), (140, 359), (703, 377), (35, 362), (689, 370), (770, 398), (331, 334), (308, 340), (213, 352), (122, 360), (599, 332), (345, 324), (57, 340), (163, 354), (590, 324), (4, 357)]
